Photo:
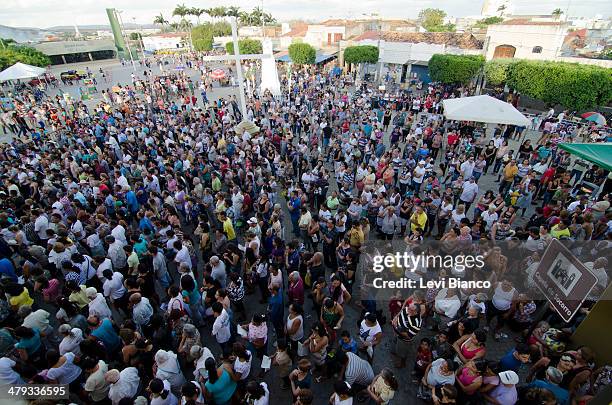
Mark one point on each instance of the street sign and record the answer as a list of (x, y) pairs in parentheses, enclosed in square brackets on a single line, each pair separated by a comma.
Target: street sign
[(563, 279)]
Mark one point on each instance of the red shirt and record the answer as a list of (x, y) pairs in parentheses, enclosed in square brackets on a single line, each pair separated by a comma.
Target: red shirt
[(452, 138)]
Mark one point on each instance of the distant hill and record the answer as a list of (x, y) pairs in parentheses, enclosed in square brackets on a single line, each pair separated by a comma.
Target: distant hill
[(98, 27), (23, 34)]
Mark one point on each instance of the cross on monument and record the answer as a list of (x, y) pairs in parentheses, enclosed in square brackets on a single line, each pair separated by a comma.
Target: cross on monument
[(237, 57)]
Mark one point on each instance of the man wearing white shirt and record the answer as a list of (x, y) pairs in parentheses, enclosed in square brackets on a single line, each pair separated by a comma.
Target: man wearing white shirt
[(114, 290), (97, 305), (490, 216), (221, 327), (467, 168), (123, 384), (142, 311), (119, 233), (116, 253), (469, 193), (182, 254), (41, 223)]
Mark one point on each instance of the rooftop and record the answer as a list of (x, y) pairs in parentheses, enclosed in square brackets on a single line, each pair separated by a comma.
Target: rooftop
[(298, 30), (457, 40), (525, 21)]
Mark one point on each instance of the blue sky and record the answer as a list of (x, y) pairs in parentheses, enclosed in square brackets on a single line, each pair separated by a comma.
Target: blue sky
[(46, 13)]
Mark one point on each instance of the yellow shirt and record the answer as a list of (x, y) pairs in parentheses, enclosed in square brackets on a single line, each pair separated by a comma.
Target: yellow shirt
[(22, 299), (421, 219), (356, 238), (510, 172), (228, 229), (556, 233), (79, 298)]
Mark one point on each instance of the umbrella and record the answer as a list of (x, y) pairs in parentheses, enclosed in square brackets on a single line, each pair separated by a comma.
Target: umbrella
[(594, 117), (217, 74)]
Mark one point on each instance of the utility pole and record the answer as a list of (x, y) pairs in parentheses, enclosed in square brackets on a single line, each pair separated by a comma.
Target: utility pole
[(127, 42)]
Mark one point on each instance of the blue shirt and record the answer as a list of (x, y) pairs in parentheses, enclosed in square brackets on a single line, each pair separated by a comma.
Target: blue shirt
[(509, 362), (277, 309), (223, 389), (30, 345), (7, 269), (351, 346), (561, 394), (107, 335)]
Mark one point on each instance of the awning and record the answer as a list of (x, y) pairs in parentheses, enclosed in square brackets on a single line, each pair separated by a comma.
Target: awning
[(598, 153), (20, 71), (483, 109)]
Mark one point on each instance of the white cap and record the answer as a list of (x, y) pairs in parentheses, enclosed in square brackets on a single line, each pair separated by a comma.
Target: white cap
[(509, 377)]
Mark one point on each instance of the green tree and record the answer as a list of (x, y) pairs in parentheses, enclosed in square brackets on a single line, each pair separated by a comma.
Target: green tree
[(233, 11), (197, 13), (247, 46), (159, 19), (577, 87), (361, 54), (496, 71), (135, 36), (11, 54), (202, 37), (485, 22), (459, 69), (432, 19), (302, 54), (557, 13)]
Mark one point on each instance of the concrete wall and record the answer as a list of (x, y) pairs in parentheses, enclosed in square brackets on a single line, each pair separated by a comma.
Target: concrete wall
[(525, 37), (317, 34), (403, 52)]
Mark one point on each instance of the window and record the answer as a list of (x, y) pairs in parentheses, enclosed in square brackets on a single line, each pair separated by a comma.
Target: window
[(536, 49)]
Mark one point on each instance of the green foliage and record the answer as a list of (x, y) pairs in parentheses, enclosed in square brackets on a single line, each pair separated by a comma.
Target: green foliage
[(203, 44), (135, 36), (12, 54), (458, 69), (496, 71), (432, 19), (247, 46), (485, 22), (361, 54), (575, 86), (202, 35), (302, 54), (607, 54)]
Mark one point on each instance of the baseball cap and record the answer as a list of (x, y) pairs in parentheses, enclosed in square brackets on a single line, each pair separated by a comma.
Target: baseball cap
[(509, 377)]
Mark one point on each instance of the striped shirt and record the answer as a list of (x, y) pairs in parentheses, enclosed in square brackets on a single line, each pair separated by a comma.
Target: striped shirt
[(408, 324), (358, 371)]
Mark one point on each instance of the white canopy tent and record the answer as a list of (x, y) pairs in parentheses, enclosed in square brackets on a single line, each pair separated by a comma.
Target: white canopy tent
[(21, 71), (483, 109)]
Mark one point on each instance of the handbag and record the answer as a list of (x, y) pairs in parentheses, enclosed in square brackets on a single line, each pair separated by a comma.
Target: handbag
[(302, 349)]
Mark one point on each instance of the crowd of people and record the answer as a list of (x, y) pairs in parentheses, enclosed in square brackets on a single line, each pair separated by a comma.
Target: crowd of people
[(163, 248)]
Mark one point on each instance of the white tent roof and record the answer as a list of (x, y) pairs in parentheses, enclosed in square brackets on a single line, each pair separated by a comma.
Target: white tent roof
[(20, 71), (483, 109)]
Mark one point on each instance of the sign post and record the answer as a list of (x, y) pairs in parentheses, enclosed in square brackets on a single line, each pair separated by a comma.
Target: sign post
[(564, 280)]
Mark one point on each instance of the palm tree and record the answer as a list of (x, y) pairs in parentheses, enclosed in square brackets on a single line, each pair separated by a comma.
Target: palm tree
[(268, 19), (196, 12), (244, 18), (233, 11), (181, 10), (501, 9), (175, 26), (557, 13), (221, 11), (256, 16), (159, 19)]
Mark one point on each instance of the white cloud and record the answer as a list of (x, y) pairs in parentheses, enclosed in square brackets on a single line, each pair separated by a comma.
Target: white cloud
[(46, 13)]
